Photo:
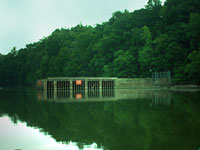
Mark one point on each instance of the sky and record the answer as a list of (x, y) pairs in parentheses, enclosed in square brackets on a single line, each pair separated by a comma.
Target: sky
[(26, 21)]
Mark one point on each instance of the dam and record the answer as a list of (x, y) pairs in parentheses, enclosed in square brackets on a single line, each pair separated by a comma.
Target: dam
[(99, 83), (68, 89)]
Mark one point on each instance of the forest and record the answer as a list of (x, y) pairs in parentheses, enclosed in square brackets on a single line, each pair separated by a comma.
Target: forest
[(158, 37)]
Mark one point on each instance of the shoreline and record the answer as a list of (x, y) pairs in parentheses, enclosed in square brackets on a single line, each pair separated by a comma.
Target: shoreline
[(170, 87), (185, 86)]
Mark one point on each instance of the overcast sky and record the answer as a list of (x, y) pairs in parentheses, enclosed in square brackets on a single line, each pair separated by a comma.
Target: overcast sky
[(26, 21)]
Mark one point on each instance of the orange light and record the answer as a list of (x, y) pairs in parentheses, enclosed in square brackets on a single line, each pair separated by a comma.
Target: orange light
[(78, 82), (78, 96)]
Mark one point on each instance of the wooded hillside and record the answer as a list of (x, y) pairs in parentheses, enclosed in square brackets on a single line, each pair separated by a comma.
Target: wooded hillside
[(131, 44)]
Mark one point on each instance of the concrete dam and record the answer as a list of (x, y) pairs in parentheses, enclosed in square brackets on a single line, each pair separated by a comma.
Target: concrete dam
[(68, 89), (99, 83)]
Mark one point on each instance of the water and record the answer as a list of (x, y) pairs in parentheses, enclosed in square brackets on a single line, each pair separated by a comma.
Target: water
[(108, 120)]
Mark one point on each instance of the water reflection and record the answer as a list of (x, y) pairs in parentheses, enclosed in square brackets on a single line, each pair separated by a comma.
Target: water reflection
[(32, 138), (75, 94), (129, 119), (157, 97)]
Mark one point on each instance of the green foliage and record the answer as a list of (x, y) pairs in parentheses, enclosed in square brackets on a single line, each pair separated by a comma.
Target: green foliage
[(122, 60), (157, 38), (153, 3), (193, 30), (193, 68), (145, 55)]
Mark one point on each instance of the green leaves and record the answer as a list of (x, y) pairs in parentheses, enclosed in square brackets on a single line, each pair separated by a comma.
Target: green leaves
[(130, 44), (193, 68), (153, 3), (145, 55), (122, 66)]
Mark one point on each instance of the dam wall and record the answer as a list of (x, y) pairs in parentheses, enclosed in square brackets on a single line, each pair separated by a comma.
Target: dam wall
[(99, 83)]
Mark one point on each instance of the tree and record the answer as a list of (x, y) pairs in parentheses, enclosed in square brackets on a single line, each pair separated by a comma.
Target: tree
[(153, 3), (129, 44), (193, 68), (14, 51), (193, 30), (145, 55), (122, 66)]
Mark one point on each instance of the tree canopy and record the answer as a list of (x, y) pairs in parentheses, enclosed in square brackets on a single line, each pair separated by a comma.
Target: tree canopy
[(130, 44)]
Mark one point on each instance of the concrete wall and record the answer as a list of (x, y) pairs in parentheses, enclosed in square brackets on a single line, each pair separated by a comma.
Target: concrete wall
[(126, 83), (120, 83)]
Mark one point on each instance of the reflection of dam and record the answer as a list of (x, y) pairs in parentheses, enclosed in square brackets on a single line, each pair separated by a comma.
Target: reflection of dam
[(161, 99), (77, 94), (157, 97)]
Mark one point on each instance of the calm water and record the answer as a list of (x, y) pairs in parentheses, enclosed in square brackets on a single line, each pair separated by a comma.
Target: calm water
[(108, 120)]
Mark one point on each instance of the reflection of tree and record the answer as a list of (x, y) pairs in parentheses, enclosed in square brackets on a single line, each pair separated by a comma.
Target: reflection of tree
[(115, 125)]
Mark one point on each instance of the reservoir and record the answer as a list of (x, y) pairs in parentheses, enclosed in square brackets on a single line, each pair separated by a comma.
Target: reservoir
[(114, 119)]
